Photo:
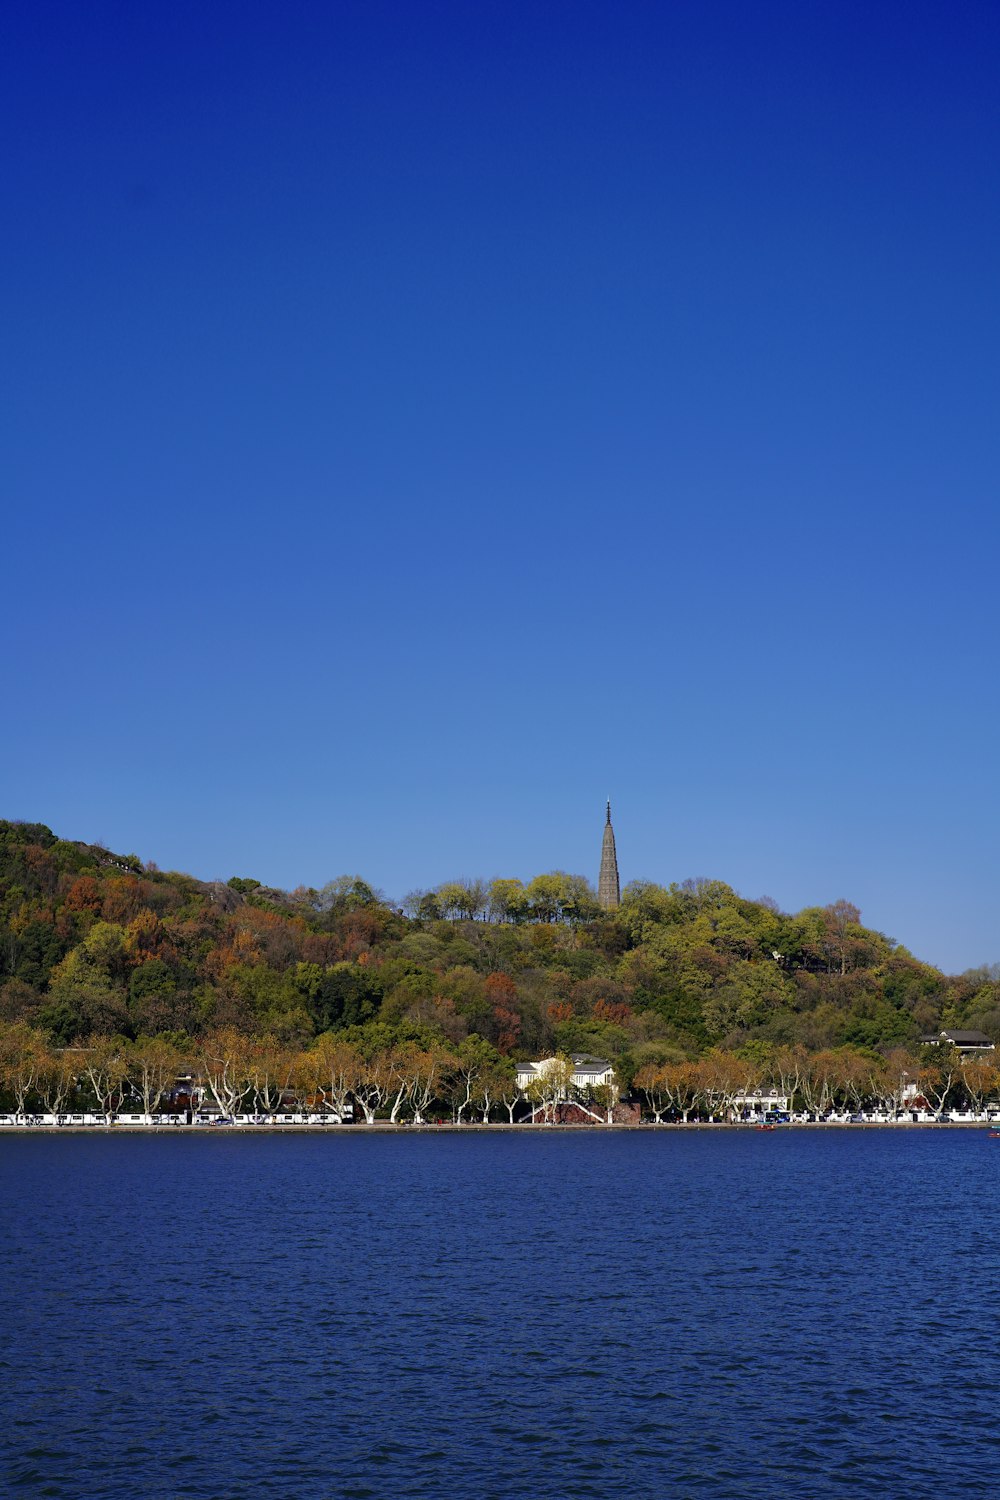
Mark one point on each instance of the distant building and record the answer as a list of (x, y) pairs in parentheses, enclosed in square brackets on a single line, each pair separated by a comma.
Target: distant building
[(565, 1091), (760, 1102), (588, 1072), (966, 1042), (608, 889)]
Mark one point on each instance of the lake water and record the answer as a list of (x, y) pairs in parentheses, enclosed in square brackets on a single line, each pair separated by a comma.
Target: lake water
[(225, 1317)]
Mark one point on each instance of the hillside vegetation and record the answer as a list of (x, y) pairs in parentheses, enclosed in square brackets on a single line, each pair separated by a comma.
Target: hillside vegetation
[(93, 943)]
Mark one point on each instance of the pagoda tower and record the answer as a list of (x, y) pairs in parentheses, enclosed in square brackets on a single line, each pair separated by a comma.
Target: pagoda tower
[(608, 890)]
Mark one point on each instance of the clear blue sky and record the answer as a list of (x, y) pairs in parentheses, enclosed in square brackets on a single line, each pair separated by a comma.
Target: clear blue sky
[(422, 421)]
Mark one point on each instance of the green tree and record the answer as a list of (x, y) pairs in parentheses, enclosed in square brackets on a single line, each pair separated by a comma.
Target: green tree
[(473, 1061), (508, 901)]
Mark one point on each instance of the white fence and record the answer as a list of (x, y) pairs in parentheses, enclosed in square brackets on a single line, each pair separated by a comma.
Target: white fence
[(157, 1121)]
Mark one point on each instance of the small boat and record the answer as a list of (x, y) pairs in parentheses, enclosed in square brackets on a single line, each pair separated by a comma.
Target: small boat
[(771, 1127)]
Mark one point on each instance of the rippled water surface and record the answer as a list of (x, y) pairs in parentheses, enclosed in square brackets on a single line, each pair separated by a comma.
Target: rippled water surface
[(500, 1315)]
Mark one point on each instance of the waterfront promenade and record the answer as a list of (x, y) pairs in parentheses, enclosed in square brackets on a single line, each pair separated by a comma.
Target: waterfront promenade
[(319, 1125)]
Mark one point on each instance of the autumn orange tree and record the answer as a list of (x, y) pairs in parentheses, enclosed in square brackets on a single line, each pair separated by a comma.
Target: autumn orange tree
[(270, 1069), (339, 1071), (980, 1080), (937, 1074), (23, 1060), (105, 1065), (421, 1074), (651, 1080), (818, 1081), (57, 1079), (376, 1083), (225, 1065), (153, 1065), (725, 1077)]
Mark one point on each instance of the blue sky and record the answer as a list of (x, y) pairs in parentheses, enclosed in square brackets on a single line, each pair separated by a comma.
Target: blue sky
[(423, 421)]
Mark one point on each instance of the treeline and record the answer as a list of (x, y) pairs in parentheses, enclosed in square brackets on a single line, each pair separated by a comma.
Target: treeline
[(366, 1071), (96, 944), (557, 897), (850, 1078), (365, 1068)]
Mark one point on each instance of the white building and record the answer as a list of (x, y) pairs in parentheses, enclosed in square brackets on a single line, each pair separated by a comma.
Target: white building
[(588, 1072), (761, 1102)]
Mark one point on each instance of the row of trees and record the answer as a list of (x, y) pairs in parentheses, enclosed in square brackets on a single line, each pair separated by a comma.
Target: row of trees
[(259, 1075), (844, 1077), (385, 1078), (828, 939), (556, 897)]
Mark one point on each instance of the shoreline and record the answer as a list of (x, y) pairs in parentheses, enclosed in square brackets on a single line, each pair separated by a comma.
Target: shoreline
[(447, 1128)]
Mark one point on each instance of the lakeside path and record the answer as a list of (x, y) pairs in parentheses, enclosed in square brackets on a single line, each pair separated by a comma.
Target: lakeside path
[(386, 1129)]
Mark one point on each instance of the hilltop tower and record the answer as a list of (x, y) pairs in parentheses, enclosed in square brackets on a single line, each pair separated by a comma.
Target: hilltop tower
[(608, 890)]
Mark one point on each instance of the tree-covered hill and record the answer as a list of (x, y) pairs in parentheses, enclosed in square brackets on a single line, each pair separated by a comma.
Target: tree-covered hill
[(94, 943)]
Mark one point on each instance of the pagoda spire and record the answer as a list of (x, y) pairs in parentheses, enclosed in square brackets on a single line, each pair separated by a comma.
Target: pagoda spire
[(608, 889)]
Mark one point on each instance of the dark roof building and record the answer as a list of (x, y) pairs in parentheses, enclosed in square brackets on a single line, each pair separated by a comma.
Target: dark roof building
[(962, 1041)]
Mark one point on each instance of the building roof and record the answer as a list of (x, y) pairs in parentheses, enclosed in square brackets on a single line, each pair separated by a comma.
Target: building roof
[(582, 1062), (961, 1038)]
